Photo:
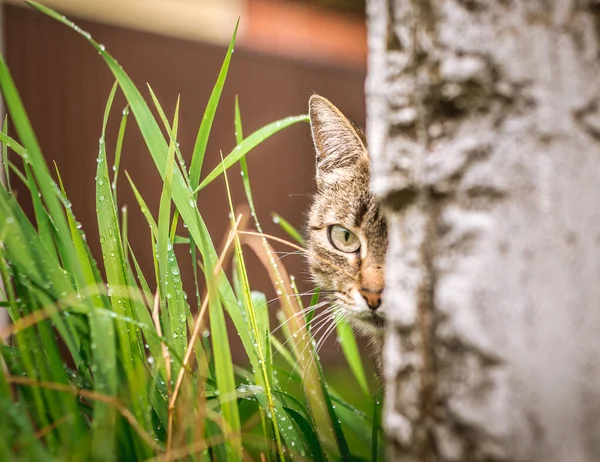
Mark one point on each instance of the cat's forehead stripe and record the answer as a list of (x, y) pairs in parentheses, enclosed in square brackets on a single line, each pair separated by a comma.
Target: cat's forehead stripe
[(361, 209)]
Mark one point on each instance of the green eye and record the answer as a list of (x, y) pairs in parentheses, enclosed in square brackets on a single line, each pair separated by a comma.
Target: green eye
[(343, 239)]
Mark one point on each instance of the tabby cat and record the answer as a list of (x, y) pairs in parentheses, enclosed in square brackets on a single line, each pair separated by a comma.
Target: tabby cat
[(347, 231)]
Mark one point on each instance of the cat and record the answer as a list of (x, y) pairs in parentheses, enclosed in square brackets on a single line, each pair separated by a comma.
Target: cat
[(347, 230)]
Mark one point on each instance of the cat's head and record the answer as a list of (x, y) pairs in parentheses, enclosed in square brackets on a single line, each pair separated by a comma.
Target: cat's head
[(347, 231)]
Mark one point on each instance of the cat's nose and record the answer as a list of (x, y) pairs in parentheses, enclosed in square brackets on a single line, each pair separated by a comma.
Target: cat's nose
[(372, 297)]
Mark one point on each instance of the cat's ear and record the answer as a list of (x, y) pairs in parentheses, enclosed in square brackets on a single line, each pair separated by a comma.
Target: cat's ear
[(337, 143)]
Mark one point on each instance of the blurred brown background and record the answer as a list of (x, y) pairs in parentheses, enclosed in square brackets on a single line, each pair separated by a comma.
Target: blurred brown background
[(286, 51)]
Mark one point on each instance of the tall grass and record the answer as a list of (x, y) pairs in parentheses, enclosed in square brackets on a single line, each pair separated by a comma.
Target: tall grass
[(96, 366)]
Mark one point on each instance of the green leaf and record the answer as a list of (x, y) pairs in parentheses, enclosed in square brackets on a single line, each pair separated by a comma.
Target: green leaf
[(119, 148), (350, 348), (209, 115), (248, 144), (288, 228)]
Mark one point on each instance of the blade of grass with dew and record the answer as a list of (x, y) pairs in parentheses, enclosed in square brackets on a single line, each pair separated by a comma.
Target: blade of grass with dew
[(374, 430), (337, 428), (347, 340), (49, 194), (5, 157), (261, 315), (224, 372), (130, 341), (40, 213), (34, 155), (152, 341), (289, 432), (27, 344), (157, 147), (313, 301), (143, 308), (262, 320), (239, 137), (248, 144), (22, 246), (314, 447), (313, 444), (173, 318), (288, 228), (172, 262), (182, 308), (313, 394), (170, 131), (202, 136), (260, 362), (90, 270), (209, 115), (119, 149), (50, 367), (301, 343), (282, 350), (14, 422), (261, 308), (103, 342)]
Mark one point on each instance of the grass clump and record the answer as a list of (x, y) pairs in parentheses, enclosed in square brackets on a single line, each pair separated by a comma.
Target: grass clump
[(100, 367)]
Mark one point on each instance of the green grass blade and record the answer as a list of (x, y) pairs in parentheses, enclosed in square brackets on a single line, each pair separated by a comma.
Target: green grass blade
[(248, 144), (224, 374), (119, 148), (209, 115), (170, 131), (315, 451), (41, 215), (350, 348), (288, 228), (337, 428), (174, 319), (313, 301), (374, 430), (34, 156), (5, 157), (103, 342), (263, 372), (239, 137)]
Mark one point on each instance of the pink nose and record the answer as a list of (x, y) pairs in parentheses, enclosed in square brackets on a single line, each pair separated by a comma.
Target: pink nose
[(372, 297)]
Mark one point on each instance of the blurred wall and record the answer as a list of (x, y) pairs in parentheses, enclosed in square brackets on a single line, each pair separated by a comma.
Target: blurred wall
[(64, 85)]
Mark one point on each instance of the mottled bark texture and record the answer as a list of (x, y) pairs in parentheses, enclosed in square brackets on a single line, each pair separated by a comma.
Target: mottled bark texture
[(484, 132)]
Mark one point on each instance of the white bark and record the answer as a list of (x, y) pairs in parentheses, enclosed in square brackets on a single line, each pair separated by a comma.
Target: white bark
[(484, 132)]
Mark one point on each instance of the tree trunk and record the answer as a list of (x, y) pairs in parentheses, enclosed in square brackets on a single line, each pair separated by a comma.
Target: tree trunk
[(484, 132)]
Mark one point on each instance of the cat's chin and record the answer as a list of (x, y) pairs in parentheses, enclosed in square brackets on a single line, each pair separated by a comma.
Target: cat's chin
[(368, 323)]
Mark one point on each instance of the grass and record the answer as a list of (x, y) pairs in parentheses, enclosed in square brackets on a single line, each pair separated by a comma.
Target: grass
[(97, 366)]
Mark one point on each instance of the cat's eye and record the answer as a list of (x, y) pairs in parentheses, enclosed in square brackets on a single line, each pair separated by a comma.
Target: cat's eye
[(343, 239)]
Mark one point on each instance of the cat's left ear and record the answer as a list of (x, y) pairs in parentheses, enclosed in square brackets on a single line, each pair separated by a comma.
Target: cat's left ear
[(337, 143)]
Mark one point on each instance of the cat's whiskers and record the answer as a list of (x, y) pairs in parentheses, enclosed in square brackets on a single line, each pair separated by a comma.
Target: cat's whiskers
[(314, 327), (304, 332), (322, 324), (300, 313), (338, 316), (300, 294)]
